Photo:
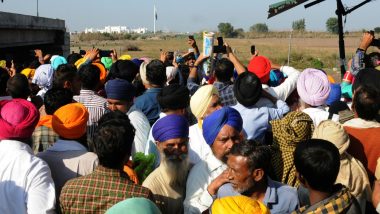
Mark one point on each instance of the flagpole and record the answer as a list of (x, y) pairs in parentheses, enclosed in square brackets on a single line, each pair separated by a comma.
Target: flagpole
[(154, 18)]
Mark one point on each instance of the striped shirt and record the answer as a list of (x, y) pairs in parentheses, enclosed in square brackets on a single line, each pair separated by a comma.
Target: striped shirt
[(98, 191), (96, 106)]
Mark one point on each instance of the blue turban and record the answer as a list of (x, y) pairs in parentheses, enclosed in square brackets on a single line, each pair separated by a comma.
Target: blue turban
[(57, 61), (120, 89), (170, 127), (213, 123), (334, 95)]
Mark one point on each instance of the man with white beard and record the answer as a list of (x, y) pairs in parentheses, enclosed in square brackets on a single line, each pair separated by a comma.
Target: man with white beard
[(168, 181)]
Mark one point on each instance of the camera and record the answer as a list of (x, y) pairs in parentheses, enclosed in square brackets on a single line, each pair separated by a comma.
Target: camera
[(253, 49), (102, 53), (376, 42), (220, 48)]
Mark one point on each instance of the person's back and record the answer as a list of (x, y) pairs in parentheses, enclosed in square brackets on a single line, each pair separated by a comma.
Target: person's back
[(68, 158), (153, 76), (26, 185), (364, 130), (108, 184)]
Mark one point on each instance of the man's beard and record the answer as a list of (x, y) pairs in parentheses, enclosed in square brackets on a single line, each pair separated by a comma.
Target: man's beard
[(246, 188), (176, 170)]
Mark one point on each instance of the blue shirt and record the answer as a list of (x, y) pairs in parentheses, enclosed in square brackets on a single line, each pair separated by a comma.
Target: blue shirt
[(148, 104), (279, 198), (256, 118)]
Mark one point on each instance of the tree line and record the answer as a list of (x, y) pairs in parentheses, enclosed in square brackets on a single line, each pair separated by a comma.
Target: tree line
[(227, 30)]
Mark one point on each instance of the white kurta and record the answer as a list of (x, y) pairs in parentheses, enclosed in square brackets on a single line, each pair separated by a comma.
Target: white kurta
[(26, 185)]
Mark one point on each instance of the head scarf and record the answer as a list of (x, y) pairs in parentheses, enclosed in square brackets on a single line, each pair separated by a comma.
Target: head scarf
[(171, 72), (18, 118), (107, 62), (260, 66), (287, 133), (57, 61), (352, 174), (28, 72), (174, 96), (44, 76), (247, 89), (213, 123), (333, 132), (276, 77), (334, 95), (170, 127), (143, 72), (70, 121), (120, 89), (134, 206), (313, 87), (200, 101), (238, 205)]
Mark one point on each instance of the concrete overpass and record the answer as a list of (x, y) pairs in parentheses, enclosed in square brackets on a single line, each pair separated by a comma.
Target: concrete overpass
[(20, 34)]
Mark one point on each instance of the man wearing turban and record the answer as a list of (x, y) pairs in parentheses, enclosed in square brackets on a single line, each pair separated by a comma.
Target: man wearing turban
[(314, 88), (248, 167), (221, 130), (167, 182), (120, 95), (173, 99), (205, 101), (68, 157), (26, 182)]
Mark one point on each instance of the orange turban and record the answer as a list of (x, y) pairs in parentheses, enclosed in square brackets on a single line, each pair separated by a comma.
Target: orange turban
[(103, 72), (70, 121), (238, 205)]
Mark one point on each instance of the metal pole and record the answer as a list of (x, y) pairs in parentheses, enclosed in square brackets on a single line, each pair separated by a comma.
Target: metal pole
[(342, 54), (290, 46), (37, 8), (154, 18)]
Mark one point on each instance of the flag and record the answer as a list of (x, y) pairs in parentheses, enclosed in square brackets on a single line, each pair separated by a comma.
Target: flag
[(155, 12)]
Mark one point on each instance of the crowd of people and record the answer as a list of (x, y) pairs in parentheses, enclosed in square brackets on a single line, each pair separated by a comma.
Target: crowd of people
[(116, 134)]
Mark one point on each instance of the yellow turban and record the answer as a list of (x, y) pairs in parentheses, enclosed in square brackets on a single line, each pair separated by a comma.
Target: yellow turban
[(3, 63), (79, 62), (238, 205), (28, 72), (125, 57), (70, 121), (201, 100)]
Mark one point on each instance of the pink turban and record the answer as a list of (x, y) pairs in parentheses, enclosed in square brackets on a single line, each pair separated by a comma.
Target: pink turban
[(313, 87), (18, 118)]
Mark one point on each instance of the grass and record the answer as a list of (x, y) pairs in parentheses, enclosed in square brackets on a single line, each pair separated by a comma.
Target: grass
[(309, 49)]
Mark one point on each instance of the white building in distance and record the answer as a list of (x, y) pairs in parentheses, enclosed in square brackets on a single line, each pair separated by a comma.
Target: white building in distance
[(117, 29)]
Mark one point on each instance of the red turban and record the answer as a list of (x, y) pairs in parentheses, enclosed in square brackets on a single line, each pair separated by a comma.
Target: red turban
[(260, 66)]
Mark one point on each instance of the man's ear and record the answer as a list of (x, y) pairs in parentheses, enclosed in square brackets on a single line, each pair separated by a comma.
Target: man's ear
[(301, 178), (258, 174), (67, 84), (159, 145)]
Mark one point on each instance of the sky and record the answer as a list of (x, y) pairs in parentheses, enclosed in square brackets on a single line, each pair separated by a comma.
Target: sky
[(191, 16)]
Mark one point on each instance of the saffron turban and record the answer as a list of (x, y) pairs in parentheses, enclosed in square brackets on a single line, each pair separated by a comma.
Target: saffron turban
[(260, 66), (313, 87), (238, 205), (103, 71), (213, 123), (202, 99), (120, 89), (70, 121), (170, 127), (18, 118)]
